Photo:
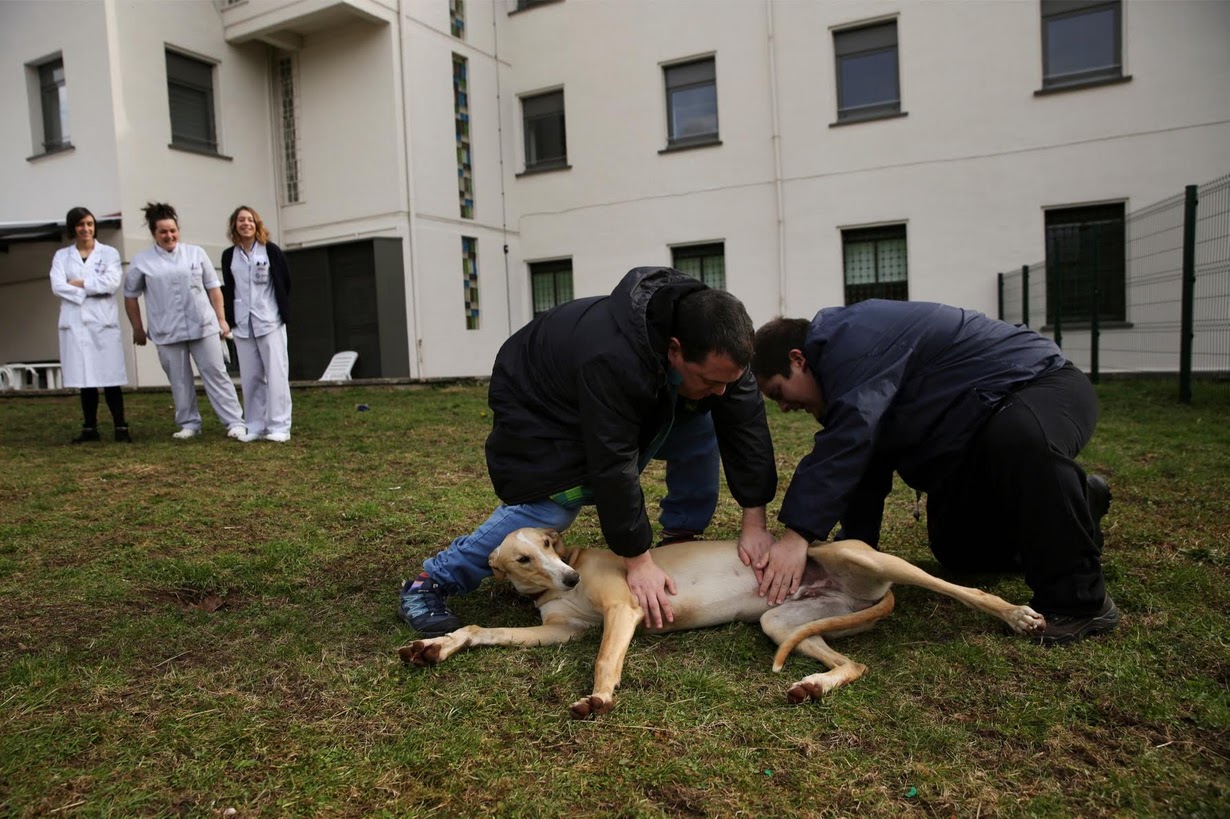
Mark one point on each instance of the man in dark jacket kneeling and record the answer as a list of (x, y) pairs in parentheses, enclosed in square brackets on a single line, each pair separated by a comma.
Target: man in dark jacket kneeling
[(583, 397)]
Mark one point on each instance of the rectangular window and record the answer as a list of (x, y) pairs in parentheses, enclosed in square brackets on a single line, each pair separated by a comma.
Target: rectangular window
[(461, 113), (457, 18), (551, 284), (53, 96), (469, 271), (704, 262), (867, 80), (1082, 42), (546, 145), (190, 89), (287, 96), (875, 264), (691, 103), (1085, 263)]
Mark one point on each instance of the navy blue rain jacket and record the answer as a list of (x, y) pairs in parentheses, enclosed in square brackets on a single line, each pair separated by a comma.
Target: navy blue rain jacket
[(907, 385)]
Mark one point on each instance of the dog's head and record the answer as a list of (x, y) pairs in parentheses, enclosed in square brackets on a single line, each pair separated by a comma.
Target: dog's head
[(530, 560)]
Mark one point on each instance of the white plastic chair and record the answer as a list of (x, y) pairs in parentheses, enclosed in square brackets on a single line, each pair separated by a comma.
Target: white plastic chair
[(6, 378), (340, 366)]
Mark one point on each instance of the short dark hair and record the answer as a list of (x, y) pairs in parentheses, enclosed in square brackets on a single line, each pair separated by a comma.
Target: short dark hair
[(155, 212), (713, 321), (74, 217), (773, 344)]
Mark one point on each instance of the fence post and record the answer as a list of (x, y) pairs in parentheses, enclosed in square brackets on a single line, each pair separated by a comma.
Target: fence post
[(1095, 330), (999, 289), (1187, 331), (1025, 294), (1056, 300)]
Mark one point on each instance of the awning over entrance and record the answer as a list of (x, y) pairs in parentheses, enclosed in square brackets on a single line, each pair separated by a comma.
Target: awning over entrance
[(12, 233)]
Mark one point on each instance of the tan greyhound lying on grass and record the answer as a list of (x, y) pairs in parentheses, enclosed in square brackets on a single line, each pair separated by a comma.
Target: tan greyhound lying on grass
[(845, 590)]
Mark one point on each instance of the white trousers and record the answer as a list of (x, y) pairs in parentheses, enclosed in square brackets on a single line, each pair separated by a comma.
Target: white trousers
[(177, 358), (264, 372)]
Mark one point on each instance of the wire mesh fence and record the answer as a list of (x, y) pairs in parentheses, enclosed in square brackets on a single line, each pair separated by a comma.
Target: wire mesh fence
[(1145, 293)]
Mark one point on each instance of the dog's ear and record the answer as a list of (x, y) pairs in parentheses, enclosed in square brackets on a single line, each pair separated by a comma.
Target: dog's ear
[(492, 560), (553, 539)]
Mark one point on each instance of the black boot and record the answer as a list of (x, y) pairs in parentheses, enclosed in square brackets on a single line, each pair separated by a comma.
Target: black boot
[(122, 436), (87, 434)]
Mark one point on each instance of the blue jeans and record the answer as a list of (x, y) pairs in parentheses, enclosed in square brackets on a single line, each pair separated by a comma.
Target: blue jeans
[(691, 455)]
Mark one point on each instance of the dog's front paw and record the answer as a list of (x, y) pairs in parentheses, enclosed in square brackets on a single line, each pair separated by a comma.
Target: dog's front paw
[(1024, 620), (803, 691), (420, 653), (592, 706)]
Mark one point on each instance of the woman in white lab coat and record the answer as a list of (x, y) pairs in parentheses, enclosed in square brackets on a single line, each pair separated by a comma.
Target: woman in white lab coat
[(85, 276), (256, 298), (183, 302)]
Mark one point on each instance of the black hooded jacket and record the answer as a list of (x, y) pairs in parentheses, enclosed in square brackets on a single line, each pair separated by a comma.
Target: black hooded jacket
[(579, 392)]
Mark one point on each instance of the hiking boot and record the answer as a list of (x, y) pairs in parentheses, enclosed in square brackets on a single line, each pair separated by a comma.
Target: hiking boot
[(670, 536), (1068, 628), (424, 608), (122, 436), (1097, 494), (87, 434)]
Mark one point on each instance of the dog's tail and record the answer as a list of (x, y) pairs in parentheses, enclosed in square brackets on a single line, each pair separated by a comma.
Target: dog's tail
[(828, 625)]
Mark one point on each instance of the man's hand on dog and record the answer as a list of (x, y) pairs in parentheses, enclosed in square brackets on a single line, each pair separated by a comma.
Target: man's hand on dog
[(650, 586), (781, 570)]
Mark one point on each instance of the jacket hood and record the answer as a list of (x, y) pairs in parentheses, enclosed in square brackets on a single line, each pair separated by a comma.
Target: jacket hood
[(630, 305)]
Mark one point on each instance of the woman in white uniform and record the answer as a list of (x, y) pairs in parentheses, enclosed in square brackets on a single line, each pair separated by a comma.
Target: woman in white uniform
[(256, 298), (85, 275), (183, 299)]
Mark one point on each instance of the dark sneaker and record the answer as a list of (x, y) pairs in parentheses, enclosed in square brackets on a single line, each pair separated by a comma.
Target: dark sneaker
[(87, 434), (424, 608), (122, 436), (670, 536), (1097, 493), (1068, 628)]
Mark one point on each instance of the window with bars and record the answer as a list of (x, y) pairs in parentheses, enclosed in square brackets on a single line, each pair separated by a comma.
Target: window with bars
[(868, 85), (705, 262), (190, 91), (53, 100), (1082, 42), (288, 98), (1086, 263), (457, 18), (546, 144), (461, 111), (691, 103), (875, 264), (469, 272), (550, 284)]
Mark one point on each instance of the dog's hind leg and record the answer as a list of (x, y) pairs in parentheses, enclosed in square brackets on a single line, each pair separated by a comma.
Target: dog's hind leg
[(863, 572), (797, 626)]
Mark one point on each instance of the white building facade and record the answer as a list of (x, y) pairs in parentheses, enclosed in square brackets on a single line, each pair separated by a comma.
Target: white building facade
[(439, 171)]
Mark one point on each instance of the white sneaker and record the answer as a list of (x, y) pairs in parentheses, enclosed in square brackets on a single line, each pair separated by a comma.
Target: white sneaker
[(249, 437), (278, 437), (237, 431), (186, 433)]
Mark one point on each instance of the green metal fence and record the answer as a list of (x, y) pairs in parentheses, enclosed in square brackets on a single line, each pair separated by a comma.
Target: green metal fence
[(1147, 293)]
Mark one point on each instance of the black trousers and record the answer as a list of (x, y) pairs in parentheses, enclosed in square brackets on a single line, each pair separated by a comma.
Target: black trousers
[(89, 406), (1018, 500)]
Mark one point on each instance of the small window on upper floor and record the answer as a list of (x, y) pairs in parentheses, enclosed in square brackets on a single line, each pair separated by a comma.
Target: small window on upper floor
[(706, 262), (48, 106), (190, 91), (1082, 42), (868, 85), (691, 103), (457, 18), (876, 263), (546, 143)]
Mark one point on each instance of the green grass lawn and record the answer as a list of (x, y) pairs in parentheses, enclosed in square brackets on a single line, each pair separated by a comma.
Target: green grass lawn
[(201, 625)]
